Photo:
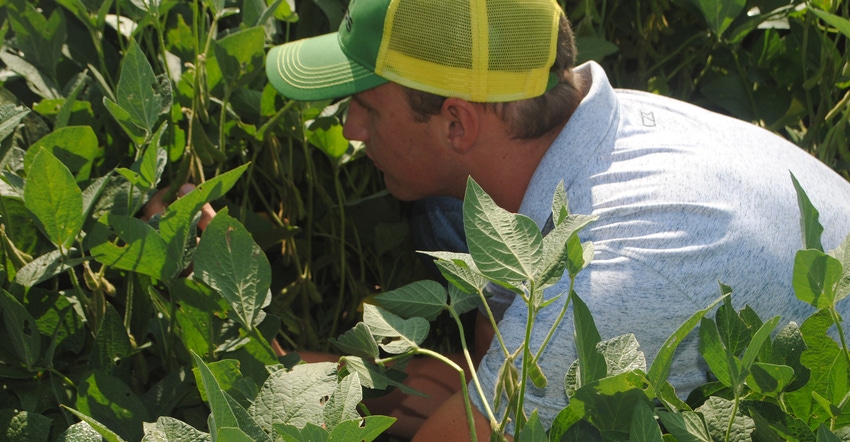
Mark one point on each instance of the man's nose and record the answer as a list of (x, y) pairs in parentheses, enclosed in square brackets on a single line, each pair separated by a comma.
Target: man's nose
[(353, 129)]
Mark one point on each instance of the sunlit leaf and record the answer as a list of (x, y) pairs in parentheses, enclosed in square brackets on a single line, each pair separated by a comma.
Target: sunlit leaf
[(52, 195), (816, 276), (393, 333), (720, 13), (810, 225), (426, 298), (230, 262)]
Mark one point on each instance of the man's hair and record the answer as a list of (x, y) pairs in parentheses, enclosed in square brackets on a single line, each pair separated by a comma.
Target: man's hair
[(530, 118)]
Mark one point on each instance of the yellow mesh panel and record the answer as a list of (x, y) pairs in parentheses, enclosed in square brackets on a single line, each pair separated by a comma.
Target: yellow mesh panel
[(486, 51)]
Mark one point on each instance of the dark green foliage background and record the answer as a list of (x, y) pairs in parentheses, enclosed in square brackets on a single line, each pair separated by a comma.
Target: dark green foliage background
[(312, 202)]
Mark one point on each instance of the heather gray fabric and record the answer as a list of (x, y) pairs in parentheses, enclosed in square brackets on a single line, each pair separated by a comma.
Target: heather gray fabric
[(685, 198)]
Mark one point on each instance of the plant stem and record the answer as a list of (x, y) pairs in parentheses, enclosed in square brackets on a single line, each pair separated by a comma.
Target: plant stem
[(470, 420), (472, 371), (557, 321)]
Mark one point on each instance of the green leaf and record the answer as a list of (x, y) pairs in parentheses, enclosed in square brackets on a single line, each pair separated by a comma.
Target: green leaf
[(718, 413), (660, 369), (824, 435), (81, 432), (809, 223), (101, 429), (394, 334), (759, 338), (610, 402), (176, 222), (138, 91), (426, 299), (229, 261), (506, 247), (562, 250), (143, 250), (374, 377), (842, 254), (75, 146), (716, 354), (592, 364), (462, 302), (52, 195), (816, 276), (147, 170), (295, 397), (21, 426), (594, 48), (47, 266), (326, 134), (198, 312), (110, 401), (533, 430), (112, 344), (342, 405), (365, 430), (234, 435), (169, 429), (459, 269), (240, 55), (311, 432), (720, 13), (733, 331), (621, 354), (769, 379), (222, 415), (22, 329), (644, 428), (10, 117), (686, 426), (357, 342), (841, 24)]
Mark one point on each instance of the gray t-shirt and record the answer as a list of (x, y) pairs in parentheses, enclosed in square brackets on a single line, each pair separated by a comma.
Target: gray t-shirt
[(686, 198)]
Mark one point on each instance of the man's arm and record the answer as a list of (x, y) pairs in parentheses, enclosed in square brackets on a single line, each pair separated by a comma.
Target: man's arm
[(449, 423)]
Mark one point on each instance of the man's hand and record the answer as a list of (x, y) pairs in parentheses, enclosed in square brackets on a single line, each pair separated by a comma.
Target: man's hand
[(156, 205)]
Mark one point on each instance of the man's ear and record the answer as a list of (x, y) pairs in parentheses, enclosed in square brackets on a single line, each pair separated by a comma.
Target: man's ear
[(463, 123)]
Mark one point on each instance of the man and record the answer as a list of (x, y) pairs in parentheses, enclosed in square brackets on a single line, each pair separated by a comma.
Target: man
[(446, 89)]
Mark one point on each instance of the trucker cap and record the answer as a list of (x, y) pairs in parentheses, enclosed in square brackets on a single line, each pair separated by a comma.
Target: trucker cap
[(478, 50)]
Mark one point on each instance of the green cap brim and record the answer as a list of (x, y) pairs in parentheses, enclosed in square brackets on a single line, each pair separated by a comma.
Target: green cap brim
[(316, 69)]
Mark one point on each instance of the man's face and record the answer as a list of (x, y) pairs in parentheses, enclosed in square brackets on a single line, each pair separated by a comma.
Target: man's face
[(411, 154)]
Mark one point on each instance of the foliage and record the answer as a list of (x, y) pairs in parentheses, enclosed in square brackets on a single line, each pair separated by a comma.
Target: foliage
[(124, 329)]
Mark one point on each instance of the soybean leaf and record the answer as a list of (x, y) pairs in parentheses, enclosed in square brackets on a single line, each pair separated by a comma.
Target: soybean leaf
[(718, 414), (816, 276), (342, 405), (506, 247), (357, 342), (143, 250), (10, 117), (720, 13), (295, 397), (759, 338), (222, 415), (326, 134), (230, 262), (52, 195), (839, 23), (147, 170), (809, 223), (393, 333), (39, 38), (111, 402), (715, 353), (138, 92), (533, 430), (311, 432), (374, 377), (644, 428), (610, 402), (169, 429), (562, 250), (621, 354), (824, 435), (459, 269), (686, 426), (47, 266), (426, 299), (112, 344), (462, 302), (842, 254), (592, 364), (175, 224), (733, 331), (240, 55), (81, 432), (75, 146), (234, 435), (365, 430), (22, 329), (770, 379), (661, 365), (247, 424), (107, 434)]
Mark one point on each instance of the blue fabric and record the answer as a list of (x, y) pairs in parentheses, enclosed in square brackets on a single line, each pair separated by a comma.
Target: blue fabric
[(686, 198)]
